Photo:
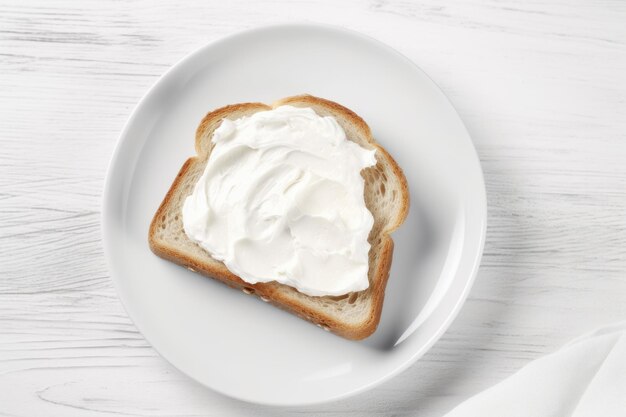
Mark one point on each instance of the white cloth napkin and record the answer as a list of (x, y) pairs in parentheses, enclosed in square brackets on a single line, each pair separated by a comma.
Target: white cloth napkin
[(585, 378)]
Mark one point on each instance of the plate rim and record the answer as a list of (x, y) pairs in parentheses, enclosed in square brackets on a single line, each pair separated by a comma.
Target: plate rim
[(115, 156)]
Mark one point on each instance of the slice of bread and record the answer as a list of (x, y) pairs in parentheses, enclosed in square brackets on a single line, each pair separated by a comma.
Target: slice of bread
[(355, 315)]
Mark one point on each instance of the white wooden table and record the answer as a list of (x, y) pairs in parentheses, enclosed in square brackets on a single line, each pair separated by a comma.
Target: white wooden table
[(541, 86)]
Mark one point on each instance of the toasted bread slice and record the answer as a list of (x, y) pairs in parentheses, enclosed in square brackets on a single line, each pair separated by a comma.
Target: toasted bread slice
[(355, 315)]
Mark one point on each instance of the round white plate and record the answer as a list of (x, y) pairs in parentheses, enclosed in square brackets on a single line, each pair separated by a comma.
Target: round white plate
[(236, 344)]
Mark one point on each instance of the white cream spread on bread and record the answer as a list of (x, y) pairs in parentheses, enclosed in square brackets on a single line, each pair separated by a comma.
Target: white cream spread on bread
[(282, 199)]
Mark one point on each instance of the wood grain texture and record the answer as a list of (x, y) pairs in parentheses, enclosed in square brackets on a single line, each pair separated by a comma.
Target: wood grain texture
[(541, 86)]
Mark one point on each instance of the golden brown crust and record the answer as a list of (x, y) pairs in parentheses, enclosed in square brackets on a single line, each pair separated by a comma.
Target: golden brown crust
[(272, 292), (213, 118)]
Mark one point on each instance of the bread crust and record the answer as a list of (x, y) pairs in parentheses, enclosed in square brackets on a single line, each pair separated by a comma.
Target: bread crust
[(273, 292)]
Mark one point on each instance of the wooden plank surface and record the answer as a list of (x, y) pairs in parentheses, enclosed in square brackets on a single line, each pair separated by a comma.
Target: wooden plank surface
[(541, 86)]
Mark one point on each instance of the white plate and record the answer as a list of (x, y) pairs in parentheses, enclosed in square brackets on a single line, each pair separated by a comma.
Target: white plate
[(236, 344)]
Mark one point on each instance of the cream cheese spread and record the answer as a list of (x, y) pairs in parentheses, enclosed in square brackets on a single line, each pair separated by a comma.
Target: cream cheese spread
[(282, 199)]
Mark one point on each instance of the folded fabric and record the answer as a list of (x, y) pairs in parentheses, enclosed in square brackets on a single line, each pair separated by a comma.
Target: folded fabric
[(586, 377)]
